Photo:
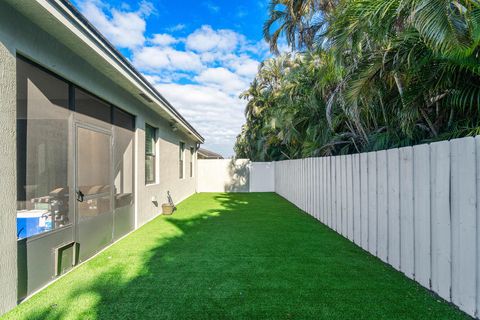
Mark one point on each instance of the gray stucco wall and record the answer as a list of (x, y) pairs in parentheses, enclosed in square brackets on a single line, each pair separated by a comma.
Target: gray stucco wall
[(19, 35), (8, 243), (167, 168)]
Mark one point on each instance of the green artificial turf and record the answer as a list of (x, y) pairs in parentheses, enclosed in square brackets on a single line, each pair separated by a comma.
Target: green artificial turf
[(235, 256)]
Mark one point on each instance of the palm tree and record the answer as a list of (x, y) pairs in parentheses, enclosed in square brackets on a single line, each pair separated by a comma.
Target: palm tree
[(300, 21), (375, 74)]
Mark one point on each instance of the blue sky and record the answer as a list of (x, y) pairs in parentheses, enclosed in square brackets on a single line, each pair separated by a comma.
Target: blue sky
[(199, 54)]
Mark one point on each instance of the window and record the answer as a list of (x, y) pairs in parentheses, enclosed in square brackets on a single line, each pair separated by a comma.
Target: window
[(181, 159), (192, 155), (91, 106), (150, 159), (42, 151)]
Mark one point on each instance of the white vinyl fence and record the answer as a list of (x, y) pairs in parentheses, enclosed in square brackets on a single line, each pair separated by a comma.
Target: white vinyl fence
[(416, 208), (262, 177), (239, 175)]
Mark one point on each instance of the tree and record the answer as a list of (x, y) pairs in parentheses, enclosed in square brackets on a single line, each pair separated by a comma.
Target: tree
[(375, 74)]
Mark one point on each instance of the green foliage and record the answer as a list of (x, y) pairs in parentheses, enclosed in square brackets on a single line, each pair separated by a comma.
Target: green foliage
[(374, 74)]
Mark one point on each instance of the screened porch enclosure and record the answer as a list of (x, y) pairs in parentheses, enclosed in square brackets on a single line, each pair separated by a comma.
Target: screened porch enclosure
[(75, 175)]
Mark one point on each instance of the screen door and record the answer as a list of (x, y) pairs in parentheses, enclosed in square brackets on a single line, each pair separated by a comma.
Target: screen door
[(94, 187)]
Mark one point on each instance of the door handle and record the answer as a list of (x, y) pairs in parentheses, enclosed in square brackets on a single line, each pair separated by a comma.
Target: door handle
[(80, 196)]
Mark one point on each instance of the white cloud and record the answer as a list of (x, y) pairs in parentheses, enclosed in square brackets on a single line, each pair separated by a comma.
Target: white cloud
[(177, 27), (155, 59), (207, 39), (146, 8), (259, 48), (244, 66), (212, 7), (163, 39), (217, 115), (222, 79), (123, 28)]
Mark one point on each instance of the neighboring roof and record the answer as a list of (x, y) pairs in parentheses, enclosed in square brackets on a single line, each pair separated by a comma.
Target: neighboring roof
[(71, 18), (207, 154)]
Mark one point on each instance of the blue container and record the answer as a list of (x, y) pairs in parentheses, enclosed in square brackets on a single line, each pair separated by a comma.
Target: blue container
[(29, 223)]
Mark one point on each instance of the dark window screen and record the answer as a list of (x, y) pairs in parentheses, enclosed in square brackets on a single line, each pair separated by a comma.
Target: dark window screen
[(91, 106), (123, 119), (42, 151), (150, 160)]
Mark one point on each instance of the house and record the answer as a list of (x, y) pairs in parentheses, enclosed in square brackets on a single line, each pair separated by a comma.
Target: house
[(89, 148), (207, 154)]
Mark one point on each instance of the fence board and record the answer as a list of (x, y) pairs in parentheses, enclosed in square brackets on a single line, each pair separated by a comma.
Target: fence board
[(289, 185), (338, 194), (303, 194), (328, 203), (463, 212), (321, 167), (305, 178), (421, 200), (311, 189), (316, 194), (349, 184), (406, 212), (307, 168), (333, 199), (334, 193), (313, 184), (321, 186), (300, 180), (441, 228), (326, 199), (382, 206), (357, 236), (393, 208), (326, 189), (317, 185), (308, 193), (372, 202), (294, 175), (308, 185), (296, 178), (294, 181), (343, 170), (300, 183), (364, 199), (477, 262)]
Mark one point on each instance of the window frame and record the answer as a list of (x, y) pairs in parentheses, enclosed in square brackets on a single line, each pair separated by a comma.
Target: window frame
[(153, 154), (181, 160), (192, 158)]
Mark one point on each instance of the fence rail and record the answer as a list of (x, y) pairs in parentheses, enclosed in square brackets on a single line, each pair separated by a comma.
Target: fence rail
[(416, 208)]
